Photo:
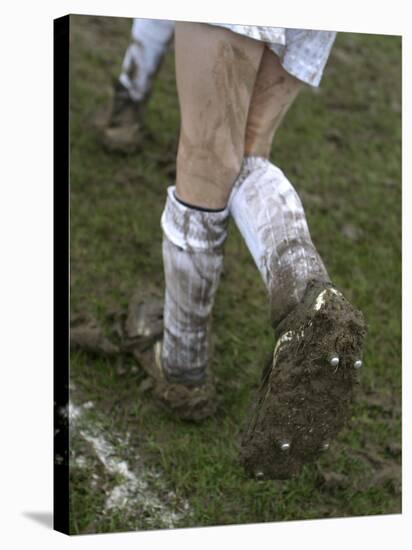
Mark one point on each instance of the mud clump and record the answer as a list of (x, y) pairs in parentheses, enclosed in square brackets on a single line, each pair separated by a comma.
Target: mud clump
[(138, 327), (89, 337)]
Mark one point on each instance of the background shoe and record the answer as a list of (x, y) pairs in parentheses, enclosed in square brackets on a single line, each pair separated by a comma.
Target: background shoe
[(122, 132), (306, 391)]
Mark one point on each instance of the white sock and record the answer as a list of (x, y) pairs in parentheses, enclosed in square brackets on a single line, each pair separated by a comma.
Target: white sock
[(270, 216), (193, 259), (150, 38)]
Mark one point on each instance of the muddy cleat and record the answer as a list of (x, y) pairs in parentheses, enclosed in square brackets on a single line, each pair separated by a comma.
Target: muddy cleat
[(304, 400), (144, 329), (189, 402), (123, 131)]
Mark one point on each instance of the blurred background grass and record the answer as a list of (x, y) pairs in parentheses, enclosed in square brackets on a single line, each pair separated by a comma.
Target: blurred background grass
[(341, 147)]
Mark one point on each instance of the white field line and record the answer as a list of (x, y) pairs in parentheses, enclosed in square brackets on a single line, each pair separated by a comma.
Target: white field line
[(133, 494)]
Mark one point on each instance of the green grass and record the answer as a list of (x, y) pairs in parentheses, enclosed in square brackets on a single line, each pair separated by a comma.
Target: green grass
[(341, 147)]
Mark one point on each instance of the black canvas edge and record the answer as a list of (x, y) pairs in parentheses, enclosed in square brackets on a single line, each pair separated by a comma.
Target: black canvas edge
[(61, 39)]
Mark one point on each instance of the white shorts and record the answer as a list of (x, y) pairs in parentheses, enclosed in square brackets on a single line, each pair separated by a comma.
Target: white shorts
[(302, 53)]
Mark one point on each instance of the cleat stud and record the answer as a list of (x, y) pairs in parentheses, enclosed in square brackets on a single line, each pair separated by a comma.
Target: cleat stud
[(334, 361)]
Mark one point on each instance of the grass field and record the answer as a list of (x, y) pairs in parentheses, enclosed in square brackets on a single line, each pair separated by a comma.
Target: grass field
[(132, 467)]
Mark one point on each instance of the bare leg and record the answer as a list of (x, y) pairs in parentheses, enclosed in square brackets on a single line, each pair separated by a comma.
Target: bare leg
[(216, 71), (274, 92)]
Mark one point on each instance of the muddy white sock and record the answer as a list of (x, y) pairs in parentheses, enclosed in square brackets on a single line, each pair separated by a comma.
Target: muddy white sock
[(193, 259), (270, 216), (150, 38)]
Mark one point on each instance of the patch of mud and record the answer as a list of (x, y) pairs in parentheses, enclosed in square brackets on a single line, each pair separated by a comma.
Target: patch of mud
[(89, 337), (383, 404), (375, 471), (122, 331), (389, 477), (332, 481), (138, 492), (352, 232)]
